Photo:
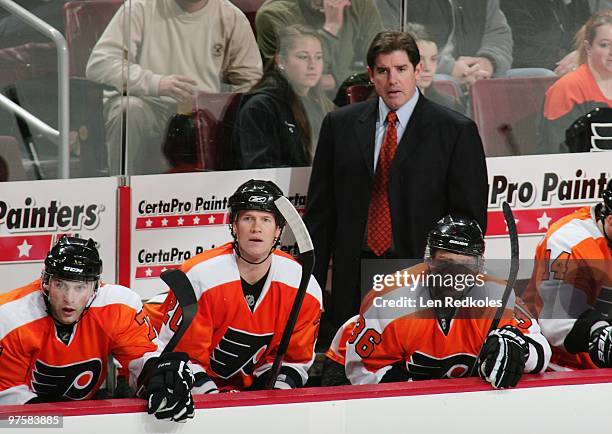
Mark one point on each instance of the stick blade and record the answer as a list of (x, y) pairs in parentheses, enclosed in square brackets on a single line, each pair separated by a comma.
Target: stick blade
[(295, 222), (181, 286)]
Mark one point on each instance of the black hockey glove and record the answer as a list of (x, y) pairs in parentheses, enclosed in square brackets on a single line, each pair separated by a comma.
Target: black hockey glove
[(600, 344), (503, 356), (168, 391)]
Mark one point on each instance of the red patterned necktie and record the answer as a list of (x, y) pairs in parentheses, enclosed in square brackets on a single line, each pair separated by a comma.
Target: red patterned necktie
[(379, 214)]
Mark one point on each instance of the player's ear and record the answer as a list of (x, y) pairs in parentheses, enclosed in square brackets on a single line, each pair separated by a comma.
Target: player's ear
[(278, 231)]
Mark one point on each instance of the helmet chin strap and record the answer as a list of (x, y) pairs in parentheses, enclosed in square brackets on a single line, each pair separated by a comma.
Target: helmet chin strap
[(602, 219), (237, 250)]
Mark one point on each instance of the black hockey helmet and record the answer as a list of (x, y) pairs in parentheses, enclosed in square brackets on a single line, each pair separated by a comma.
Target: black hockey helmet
[(258, 195), (74, 259), (606, 208), (457, 235)]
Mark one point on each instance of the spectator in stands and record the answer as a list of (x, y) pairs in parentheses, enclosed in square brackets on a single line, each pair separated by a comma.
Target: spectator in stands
[(473, 35), (580, 91), (428, 49), (390, 12), (279, 120), (345, 27), (543, 30), (177, 47), (570, 61), (600, 5)]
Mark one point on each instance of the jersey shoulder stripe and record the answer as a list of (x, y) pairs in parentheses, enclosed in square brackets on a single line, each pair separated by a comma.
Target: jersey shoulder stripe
[(21, 311), (212, 272), (572, 232), (207, 255), (19, 292), (116, 294)]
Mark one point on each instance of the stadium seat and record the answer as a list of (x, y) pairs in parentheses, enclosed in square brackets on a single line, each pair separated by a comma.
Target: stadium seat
[(448, 87), (216, 115), (249, 8), (85, 21), (11, 166), (359, 92), (506, 112)]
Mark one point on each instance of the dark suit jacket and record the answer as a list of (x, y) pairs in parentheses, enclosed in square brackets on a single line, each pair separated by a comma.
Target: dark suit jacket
[(439, 168)]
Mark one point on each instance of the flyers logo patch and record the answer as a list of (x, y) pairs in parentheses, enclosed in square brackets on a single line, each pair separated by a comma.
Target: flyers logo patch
[(425, 367), (238, 351), (75, 381)]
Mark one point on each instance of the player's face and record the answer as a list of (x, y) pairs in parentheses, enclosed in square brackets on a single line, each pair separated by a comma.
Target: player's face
[(68, 299), (452, 267), (600, 51), (429, 63), (303, 64), (255, 232), (394, 78)]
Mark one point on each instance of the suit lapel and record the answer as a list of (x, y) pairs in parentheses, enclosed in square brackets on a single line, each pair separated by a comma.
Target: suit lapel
[(365, 131)]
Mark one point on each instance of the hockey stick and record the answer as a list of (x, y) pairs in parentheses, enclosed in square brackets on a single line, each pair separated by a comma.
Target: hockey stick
[(306, 260), (180, 285), (514, 264), (514, 267)]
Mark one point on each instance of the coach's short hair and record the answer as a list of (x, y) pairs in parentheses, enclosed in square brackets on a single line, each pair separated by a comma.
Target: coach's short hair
[(389, 41)]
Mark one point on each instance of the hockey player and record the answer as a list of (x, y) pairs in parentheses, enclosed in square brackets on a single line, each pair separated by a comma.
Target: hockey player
[(442, 333), (245, 290), (57, 332), (571, 287)]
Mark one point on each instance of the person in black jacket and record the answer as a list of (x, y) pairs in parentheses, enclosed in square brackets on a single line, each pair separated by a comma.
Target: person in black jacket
[(279, 120), (543, 30), (379, 184)]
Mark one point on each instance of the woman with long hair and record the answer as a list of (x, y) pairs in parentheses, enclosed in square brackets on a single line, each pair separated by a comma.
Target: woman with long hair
[(279, 119), (580, 91)]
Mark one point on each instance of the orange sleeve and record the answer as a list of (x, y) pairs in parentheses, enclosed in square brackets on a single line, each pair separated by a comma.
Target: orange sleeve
[(134, 337), (372, 348), (300, 351), (15, 362), (197, 339), (156, 315)]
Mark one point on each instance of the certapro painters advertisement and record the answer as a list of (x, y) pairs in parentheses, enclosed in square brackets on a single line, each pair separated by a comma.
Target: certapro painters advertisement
[(34, 214)]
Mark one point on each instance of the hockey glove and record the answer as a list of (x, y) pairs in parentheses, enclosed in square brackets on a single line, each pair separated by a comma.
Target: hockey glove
[(168, 391), (503, 356), (600, 344)]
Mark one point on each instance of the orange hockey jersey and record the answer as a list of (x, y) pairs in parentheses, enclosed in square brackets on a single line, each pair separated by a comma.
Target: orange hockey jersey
[(233, 344), (390, 333), (572, 273), (34, 362)]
